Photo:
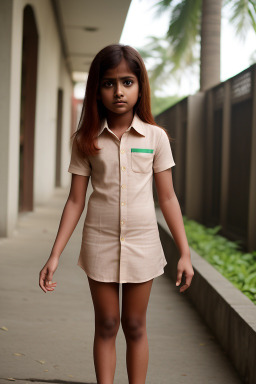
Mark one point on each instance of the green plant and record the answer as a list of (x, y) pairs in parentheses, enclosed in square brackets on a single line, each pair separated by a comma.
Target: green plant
[(225, 255)]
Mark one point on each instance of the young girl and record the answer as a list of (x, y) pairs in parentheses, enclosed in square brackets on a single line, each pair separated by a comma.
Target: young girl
[(120, 146)]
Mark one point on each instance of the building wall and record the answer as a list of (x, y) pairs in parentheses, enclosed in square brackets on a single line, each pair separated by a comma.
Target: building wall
[(65, 84), (5, 73), (51, 74)]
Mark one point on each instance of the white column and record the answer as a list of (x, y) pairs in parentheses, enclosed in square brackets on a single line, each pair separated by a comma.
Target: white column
[(9, 137)]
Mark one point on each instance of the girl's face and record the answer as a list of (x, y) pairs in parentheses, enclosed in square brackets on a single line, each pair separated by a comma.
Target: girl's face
[(119, 89)]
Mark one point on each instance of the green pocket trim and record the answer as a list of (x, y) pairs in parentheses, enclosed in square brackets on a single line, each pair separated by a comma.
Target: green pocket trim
[(142, 150)]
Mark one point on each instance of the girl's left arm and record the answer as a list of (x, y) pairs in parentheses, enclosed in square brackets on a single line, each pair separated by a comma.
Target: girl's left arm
[(172, 213)]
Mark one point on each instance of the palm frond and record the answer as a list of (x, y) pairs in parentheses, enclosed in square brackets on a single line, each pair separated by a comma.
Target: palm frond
[(252, 13), (243, 16), (178, 53), (162, 6), (154, 48), (184, 27), (162, 69)]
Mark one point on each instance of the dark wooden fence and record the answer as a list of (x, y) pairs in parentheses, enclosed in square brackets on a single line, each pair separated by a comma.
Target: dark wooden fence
[(215, 154)]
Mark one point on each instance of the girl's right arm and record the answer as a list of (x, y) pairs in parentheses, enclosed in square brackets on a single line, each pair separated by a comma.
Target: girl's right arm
[(69, 219)]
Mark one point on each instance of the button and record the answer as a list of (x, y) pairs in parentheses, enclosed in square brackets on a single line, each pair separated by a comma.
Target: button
[(123, 203), (122, 222), (122, 238), (122, 151), (123, 186), (123, 168)]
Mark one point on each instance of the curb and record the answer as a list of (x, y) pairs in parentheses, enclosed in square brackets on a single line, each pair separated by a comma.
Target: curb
[(230, 314)]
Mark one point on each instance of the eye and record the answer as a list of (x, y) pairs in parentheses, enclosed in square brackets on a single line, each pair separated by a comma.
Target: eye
[(128, 81), (107, 84)]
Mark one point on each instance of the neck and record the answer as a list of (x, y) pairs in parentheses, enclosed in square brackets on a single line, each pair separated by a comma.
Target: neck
[(116, 121)]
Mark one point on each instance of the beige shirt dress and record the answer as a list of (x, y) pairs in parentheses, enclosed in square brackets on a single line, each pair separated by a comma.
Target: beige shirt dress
[(120, 239)]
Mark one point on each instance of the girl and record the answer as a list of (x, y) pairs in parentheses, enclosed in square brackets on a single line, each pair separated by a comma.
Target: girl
[(120, 146)]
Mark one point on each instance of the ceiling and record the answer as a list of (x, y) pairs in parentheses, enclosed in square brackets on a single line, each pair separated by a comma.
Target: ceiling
[(86, 26)]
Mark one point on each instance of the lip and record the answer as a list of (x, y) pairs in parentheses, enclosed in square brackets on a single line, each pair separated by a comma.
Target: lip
[(120, 102)]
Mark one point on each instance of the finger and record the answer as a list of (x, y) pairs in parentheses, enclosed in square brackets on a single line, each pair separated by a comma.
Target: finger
[(44, 283), (42, 288), (187, 284), (50, 284), (179, 276), (49, 277), (188, 280), (50, 288), (41, 281), (183, 288)]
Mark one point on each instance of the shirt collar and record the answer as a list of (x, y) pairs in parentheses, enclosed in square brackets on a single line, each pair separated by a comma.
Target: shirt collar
[(136, 124)]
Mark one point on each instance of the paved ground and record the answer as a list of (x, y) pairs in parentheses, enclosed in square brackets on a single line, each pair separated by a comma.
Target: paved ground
[(49, 337)]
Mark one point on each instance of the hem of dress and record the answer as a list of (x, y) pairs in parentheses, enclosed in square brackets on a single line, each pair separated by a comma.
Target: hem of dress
[(161, 272)]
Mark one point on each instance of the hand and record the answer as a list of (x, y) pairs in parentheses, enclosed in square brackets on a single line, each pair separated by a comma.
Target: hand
[(46, 274), (184, 265)]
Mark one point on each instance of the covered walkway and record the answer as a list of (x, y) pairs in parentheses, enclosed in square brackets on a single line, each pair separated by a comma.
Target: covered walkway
[(48, 338)]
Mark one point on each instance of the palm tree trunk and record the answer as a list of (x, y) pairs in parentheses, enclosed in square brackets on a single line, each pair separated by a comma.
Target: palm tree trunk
[(210, 43)]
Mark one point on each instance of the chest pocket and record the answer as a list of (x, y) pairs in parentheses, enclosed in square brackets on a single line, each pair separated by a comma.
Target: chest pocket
[(142, 160)]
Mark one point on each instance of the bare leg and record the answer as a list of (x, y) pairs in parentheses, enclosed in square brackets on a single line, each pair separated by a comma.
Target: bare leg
[(135, 299), (105, 298)]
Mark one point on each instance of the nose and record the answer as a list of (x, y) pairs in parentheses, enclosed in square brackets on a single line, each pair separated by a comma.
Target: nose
[(118, 89)]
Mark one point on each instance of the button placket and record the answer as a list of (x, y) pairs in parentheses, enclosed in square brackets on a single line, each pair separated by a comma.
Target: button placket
[(123, 197)]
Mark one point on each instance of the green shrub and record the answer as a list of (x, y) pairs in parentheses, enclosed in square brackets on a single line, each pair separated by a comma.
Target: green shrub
[(225, 255)]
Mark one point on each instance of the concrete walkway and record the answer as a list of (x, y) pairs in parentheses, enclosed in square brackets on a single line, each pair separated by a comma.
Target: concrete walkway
[(48, 338)]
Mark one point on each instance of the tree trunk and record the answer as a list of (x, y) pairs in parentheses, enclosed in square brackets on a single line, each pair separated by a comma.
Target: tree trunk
[(210, 44)]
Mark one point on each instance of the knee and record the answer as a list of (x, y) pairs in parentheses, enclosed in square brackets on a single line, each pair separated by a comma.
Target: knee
[(107, 327), (133, 327)]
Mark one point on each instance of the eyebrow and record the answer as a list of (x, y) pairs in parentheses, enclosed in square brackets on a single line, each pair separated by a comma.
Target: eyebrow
[(122, 78)]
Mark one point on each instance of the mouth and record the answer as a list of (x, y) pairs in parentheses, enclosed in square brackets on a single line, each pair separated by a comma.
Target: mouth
[(119, 102)]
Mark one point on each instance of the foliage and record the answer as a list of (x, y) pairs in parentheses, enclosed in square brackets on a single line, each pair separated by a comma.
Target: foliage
[(179, 50), (162, 71), (184, 28), (225, 255), (185, 22), (242, 15)]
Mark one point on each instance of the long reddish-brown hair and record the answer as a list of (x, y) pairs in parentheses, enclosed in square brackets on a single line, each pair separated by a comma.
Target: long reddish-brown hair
[(93, 111)]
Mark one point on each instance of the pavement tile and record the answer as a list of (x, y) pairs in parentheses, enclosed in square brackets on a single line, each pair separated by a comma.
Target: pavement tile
[(49, 337)]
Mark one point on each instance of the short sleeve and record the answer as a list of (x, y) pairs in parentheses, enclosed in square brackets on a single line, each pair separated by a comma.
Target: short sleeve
[(78, 164), (163, 158)]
